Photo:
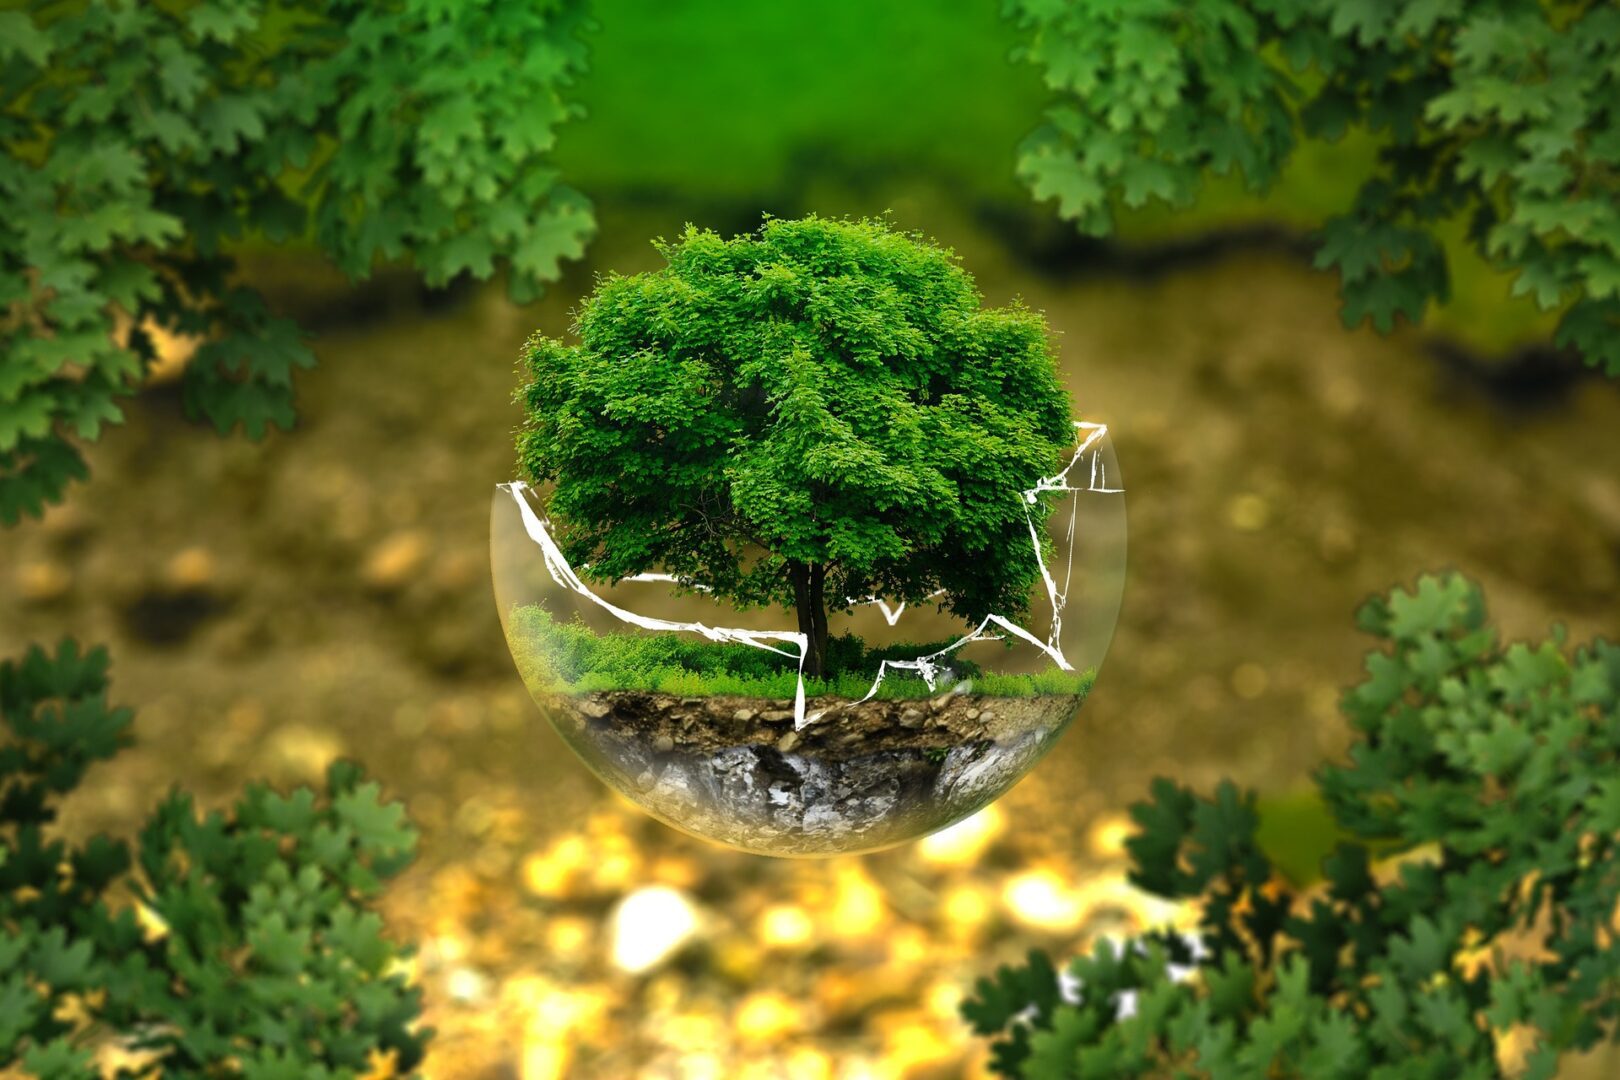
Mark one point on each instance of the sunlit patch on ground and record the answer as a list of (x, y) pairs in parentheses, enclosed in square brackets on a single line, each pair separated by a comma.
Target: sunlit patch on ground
[(625, 950)]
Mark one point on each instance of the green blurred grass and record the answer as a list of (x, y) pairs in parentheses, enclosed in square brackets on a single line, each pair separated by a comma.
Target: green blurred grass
[(701, 101), (783, 687), (570, 658), (712, 100)]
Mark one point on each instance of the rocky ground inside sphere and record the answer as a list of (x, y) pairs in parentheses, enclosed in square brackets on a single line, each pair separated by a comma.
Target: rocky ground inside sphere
[(857, 775)]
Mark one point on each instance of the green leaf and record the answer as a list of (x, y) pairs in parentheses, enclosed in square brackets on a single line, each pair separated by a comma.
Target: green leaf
[(60, 963), (997, 1001), (1422, 16), (379, 828), (25, 418), (559, 233), (1593, 327), (1602, 275), (1366, 20), (1437, 605), (359, 936), (229, 120), (1053, 1053), (1155, 849), (1080, 196), (36, 473), (278, 946), (1141, 180), (20, 37), (58, 1060), (1542, 278), (20, 1006), (1231, 988), (182, 77), (470, 252), (1381, 298), (1356, 247), (222, 21), (1421, 952)]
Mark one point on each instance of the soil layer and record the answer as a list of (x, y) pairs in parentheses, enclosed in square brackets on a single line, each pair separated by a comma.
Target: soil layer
[(861, 775)]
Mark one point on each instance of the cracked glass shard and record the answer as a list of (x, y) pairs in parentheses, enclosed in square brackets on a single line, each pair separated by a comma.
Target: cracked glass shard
[(1085, 473)]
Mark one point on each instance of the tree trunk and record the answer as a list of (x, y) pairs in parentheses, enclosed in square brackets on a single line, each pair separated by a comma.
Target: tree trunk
[(818, 613), (810, 604)]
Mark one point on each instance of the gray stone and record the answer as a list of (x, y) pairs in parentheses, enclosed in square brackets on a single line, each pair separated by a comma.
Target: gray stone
[(862, 775)]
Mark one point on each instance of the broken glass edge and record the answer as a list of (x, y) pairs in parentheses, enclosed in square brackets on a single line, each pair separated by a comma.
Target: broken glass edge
[(1088, 437)]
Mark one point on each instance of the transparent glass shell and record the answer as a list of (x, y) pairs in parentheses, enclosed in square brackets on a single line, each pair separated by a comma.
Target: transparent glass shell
[(698, 711)]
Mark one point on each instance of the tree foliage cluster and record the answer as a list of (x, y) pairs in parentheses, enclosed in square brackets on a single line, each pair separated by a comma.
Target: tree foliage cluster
[(1494, 772), (222, 944), (817, 411), (141, 141), (1499, 113)]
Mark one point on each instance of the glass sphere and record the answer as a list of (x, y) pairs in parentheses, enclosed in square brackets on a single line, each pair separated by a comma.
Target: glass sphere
[(700, 712)]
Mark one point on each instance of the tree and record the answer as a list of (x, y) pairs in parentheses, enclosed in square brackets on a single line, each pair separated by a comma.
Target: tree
[(141, 140), (1499, 113), (1492, 770), (816, 412)]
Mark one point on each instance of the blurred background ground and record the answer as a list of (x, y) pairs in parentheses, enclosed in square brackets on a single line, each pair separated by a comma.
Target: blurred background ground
[(270, 606)]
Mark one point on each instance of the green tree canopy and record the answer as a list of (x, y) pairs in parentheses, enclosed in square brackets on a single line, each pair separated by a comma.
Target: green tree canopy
[(138, 141), (1501, 113), (819, 411)]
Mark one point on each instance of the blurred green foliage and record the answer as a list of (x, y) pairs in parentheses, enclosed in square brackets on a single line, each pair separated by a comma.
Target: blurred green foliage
[(1491, 114), (140, 140), (256, 955), (1492, 769)]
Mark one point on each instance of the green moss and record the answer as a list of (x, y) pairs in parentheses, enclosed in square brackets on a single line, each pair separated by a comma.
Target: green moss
[(571, 658)]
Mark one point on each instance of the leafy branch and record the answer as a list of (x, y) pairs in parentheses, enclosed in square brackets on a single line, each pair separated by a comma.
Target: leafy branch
[(1498, 113), (142, 141), (1491, 772), (227, 944)]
